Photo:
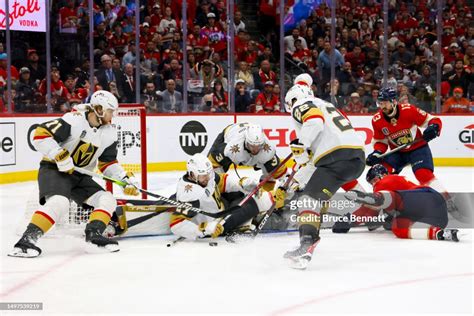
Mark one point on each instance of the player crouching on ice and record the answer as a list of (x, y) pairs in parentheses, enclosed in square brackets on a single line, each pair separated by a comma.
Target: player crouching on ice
[(81, 139), (245, 144), (406, 202), (213, 192)]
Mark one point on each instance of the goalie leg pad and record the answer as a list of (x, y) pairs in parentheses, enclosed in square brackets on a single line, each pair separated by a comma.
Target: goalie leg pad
[(103, 200)]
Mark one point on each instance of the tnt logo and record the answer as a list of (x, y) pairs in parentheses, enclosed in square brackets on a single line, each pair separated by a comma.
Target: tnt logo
[(127, 140), (193, 137), (466, 136)]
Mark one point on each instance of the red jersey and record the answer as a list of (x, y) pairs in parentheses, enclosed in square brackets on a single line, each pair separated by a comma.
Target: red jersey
[(403, 128), (198, 41), (394, 182), (267, 105)]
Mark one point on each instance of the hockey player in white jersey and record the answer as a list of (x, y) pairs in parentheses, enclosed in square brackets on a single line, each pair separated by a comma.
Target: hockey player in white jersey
[(328, 154), (245, 144), (203, 188), (84, 138)]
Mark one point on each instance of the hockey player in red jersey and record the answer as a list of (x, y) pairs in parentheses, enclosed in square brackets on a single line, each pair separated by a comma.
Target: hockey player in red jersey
[(406, 202)]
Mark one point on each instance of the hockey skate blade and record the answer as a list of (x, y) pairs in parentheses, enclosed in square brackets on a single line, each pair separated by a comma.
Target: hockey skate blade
[(94, 249), (18, 253), (298, 263)]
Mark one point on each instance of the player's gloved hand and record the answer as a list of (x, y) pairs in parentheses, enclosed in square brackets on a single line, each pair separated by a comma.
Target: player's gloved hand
[(64, 161), (131, 187), (248, 184), (301, 154), (431, 132), (373, 159), (279, 196), (213, 229)]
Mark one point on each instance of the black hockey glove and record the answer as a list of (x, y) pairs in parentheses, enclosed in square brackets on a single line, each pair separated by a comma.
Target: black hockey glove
[(431, 132), (372, 158)]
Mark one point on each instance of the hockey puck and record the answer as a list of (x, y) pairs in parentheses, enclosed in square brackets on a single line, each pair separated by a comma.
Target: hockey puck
[(168, 245), (213, 244)]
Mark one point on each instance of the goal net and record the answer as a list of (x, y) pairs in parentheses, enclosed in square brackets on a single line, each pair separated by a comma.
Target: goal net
[(130, 123)]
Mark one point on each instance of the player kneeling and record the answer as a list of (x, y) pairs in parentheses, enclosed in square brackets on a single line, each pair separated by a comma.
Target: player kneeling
[(245, 144), (407, 202), (81, 139), (214, 193)]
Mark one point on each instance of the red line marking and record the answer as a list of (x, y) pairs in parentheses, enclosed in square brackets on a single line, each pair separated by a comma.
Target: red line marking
[(40, 275), (292, 308)]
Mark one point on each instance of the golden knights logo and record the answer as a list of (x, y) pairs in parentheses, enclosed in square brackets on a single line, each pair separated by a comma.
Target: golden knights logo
[(83, 153)]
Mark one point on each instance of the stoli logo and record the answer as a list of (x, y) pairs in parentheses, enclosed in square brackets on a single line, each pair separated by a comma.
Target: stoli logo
[(19, 10)]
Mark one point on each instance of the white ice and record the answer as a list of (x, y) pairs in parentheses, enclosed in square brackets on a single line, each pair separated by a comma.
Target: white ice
[(359, 272)]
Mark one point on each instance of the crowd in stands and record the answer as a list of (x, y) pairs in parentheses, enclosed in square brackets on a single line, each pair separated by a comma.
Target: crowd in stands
[(412, 54)]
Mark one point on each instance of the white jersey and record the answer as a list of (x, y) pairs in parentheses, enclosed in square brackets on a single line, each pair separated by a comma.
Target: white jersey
[(206, 198), (87, 145), (322, 128), (232, 150)]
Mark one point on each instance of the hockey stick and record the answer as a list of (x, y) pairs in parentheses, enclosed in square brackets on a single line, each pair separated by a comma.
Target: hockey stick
[(388, 153), (265, 180), (271, 210), (185, 208)]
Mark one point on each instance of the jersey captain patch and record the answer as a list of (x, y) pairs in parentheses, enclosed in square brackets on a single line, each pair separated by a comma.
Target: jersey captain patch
[(83, 153)]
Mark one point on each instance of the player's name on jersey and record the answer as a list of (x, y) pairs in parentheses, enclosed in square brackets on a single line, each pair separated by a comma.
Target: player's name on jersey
[(311, 204), (329, 218)]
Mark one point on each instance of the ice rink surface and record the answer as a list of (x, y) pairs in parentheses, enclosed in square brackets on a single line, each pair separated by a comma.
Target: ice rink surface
[(359, 272)]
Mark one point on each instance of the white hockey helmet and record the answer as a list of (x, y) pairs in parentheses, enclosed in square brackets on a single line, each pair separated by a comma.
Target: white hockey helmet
[(254, 135), (296, 92), (105, 99), (303, 80), (199, 165)]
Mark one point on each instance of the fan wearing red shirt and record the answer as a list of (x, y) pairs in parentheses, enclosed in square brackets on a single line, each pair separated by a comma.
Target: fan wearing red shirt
[(405, 201), (266, 101)]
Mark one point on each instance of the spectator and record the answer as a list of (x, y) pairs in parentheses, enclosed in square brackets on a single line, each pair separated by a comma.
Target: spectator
[(425, 90), (149, 98), (245, 74), (58, 90), (68, 19), (355, 106), (37, 71), (172, 100), (207, 72), (266, 101), (26, 94), (174, 72), (238, 23), (370, 102), (130, 56), (196, 39), (118, 41), (266, 55), (290, 40), (3, 71), (460, 77), (457, 104), (301, 55), (356, 57), (242, 97), (402, 56), (346, 79), (324, 62), (220, 101), (128, 86), (106, 73), (263, 75), (167, 25), (72, 95), (404, 95), (214, 32)]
